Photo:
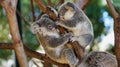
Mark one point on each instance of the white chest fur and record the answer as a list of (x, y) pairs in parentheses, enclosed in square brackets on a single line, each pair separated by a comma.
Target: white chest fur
[(68, 15)]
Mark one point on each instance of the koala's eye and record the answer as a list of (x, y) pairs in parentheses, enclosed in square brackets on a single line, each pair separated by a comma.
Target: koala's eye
[(50, 26), (52, 11)]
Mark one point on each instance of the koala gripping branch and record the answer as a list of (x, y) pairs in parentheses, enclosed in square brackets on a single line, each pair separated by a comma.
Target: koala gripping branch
[(43, 42), (78, 50)]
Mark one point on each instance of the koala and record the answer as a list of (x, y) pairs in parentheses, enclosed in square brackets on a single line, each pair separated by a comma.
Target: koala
[(74, 20), (56, 47), (99, 59)]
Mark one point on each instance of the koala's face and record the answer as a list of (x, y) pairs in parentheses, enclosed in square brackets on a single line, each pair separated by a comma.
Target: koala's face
[(44, 26), (47, 26), (66, 11)]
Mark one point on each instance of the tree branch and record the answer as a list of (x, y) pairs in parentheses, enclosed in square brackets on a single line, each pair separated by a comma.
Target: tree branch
[(62, 1), (112, 9), (32, 9), (10, 9), (35, 63), (23, 18), (45, 10), (41, 5), (6, 46), (49, 2), (116, 17), (31, 53)]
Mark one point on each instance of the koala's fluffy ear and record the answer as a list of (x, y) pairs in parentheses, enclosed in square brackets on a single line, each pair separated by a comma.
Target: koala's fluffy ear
[(69, 8)]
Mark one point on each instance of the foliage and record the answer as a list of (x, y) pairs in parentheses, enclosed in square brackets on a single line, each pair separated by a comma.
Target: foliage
[(5, 54)]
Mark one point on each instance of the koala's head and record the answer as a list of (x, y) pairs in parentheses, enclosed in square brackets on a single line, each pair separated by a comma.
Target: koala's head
[(67, 11), (46, 25)]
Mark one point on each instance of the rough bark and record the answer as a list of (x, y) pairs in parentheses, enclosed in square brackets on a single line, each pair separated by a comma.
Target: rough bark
[(116, 18), (46, 64), (49, 2), (10, 9)]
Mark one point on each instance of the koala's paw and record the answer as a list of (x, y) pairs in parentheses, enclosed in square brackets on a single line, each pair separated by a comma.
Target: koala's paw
[(72, 39), (35, 28), (68, 35)]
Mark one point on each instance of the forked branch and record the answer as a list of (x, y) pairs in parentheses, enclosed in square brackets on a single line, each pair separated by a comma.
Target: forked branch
[(10, 9), (116, 17)]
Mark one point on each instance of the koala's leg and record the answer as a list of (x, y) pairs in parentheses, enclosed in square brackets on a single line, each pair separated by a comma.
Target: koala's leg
[(85, 39), (70, 57)]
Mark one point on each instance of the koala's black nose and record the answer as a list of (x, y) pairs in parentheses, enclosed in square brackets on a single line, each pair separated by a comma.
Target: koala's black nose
[(38, 24), (58, 16)]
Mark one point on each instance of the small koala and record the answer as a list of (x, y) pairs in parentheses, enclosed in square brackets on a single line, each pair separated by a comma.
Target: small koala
[(74, 20), (99, 59), (56, 47)]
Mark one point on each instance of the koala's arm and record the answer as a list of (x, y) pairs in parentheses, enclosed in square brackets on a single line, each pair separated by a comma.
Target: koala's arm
[(84, 39), (71, 58), (60, 41), (60, 23)]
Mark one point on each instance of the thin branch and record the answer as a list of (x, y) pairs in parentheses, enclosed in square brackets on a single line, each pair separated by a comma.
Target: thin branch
[(23, 18), (49, 3), (35, 63), (41, 5), (6, 46), (85, 4), (45, 10), (62, 1), (116, 17), (10, 9), (112, 9), (32, 9)]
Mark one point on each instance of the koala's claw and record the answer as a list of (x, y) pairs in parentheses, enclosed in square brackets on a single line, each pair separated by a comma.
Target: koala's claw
[(68, 35), (35, 29), (73, 39)]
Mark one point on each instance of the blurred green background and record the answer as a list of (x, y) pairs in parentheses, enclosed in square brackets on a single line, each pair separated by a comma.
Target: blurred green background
[(97, 11)]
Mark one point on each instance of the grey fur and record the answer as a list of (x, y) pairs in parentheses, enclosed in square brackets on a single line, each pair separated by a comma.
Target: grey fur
[(99, 59), (55, 47), (79, 18)]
